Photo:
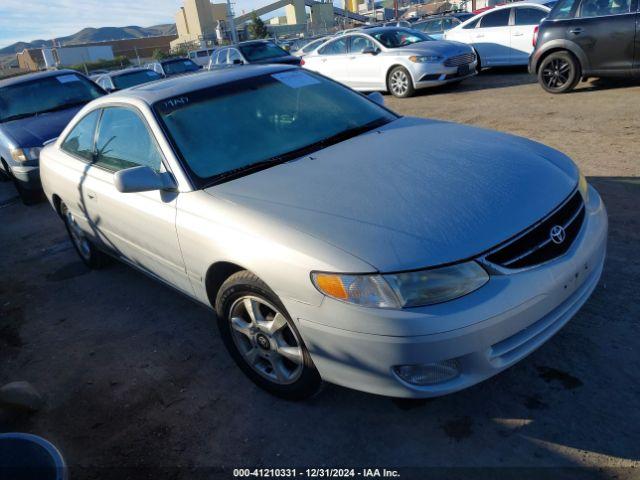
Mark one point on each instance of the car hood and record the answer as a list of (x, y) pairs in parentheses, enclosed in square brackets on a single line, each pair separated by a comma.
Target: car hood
[(435, 47), (412, 194), (34, 131)]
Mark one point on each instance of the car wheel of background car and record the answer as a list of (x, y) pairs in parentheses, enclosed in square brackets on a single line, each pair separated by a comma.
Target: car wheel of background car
[(28, 197), (478, 62), (262, 338), (5, 176), (400, 83), (88, 252), (559, 72)]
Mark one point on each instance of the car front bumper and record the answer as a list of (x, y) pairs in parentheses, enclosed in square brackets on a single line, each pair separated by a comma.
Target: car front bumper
[(428, 75), (484, 332), (28, 176)]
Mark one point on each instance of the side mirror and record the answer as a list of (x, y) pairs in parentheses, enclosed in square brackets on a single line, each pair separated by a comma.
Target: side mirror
[(370, 51), (237, 61), (143, 179), (377, 98)]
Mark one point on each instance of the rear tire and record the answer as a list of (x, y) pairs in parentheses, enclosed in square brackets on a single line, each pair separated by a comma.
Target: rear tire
[(87, 251), (559, 72), (399, 83), (263, 340)]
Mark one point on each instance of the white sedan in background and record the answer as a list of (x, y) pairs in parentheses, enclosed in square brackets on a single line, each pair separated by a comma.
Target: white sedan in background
[(398, 60), (502, 35)]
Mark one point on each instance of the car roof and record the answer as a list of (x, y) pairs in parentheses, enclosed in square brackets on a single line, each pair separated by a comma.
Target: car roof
[(372, 30), (152, 92), (35, 76), (511, 5)]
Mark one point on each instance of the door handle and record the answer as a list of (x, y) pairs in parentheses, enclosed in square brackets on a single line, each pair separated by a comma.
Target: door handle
[(91, 195), (352, 58), (576, 30), (518, 34), (480, 36)]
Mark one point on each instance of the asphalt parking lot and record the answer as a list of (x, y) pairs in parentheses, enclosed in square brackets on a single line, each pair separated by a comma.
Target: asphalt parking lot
[(135, 375)]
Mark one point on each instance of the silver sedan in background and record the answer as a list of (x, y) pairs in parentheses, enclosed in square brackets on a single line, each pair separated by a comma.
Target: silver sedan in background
[(398, 60), (335, 240)]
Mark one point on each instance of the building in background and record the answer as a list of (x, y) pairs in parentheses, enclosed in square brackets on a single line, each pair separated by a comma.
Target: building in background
[(197, 21), (76, 55)]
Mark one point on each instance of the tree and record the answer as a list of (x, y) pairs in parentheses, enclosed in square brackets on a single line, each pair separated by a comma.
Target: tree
[(257, 28), (158, 54)]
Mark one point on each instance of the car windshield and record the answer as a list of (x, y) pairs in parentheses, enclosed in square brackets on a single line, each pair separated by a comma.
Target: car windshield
[(259, 51), (127, 80), (47, 94), (181, 65), (285, 115), (399, 37)]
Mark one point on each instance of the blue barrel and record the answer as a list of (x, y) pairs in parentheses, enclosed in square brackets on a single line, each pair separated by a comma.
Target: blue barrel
[(29, 457)]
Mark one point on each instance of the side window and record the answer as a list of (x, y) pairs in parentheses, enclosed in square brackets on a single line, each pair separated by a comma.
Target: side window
[(563, 9), (600, 8), (529, 16), (472, 24), (221, 57), (234, 55), (358, 44), (105, 83), (337, 47), (433, 27), (124, 141), (449, 23), (79, 142), (499, 18)]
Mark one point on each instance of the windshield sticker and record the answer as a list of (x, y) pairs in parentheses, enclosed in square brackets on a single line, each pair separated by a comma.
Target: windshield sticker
[(172, 104), (68, 78), (187, 63), (295, 79)]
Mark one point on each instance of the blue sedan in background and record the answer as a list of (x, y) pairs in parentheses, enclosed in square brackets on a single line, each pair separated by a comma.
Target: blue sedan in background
[(34, 109)]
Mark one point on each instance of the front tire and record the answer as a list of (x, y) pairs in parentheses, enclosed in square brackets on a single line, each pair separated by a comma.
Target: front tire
[(263, 340), (400, 83), (87, 251), (559, 72)]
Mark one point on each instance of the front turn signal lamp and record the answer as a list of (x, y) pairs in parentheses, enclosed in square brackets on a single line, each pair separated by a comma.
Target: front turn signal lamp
[(583, 186), (26, 154), (405, 289)]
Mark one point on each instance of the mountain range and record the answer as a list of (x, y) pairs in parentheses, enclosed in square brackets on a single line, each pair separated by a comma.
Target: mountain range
[(88, 35)]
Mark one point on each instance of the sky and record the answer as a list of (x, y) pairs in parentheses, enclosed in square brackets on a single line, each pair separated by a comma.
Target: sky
[(27, 20)]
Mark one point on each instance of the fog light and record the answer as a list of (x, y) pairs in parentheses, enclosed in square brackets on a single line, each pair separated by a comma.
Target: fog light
[(430, 373)]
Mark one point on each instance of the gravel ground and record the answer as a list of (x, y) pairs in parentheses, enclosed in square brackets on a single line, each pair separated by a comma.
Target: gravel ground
[(135, 376)]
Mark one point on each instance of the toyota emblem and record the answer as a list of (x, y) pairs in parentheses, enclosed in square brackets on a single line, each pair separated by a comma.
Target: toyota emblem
[(557, 234)]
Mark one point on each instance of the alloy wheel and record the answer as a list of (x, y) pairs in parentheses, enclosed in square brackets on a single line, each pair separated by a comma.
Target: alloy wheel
[(78, 237), (399, 83), (556, 73), (265, 340)]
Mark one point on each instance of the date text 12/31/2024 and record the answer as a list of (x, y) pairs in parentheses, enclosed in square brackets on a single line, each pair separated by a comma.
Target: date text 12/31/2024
[(315, 473)]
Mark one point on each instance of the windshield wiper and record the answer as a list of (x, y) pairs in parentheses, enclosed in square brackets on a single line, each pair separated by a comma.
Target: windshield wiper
[(18, 117), (299, 152)]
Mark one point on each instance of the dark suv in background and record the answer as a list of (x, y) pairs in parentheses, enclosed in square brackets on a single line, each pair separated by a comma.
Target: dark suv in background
[(586, 38)]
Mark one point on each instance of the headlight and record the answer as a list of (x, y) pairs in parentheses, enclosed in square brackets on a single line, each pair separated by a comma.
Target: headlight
[(426, 58), (26, 154), (583, 186), (407, 289)]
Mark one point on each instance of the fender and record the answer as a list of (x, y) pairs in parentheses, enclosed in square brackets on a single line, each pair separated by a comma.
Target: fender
[(560, 44)]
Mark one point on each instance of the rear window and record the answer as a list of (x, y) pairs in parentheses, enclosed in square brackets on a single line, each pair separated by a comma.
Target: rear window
[(47, 94), (135, 78), (261, 51), (563, 9), (182, 65)]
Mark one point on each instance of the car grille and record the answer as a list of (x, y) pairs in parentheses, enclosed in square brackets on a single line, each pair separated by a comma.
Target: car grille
[(536, 245), (460, 60)]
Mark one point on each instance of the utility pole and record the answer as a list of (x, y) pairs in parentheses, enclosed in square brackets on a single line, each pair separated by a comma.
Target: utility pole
[(231, 23), (395, 9)]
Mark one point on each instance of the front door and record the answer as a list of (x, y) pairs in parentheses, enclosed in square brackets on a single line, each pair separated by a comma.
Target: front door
[(139, 227), (605, 30)]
